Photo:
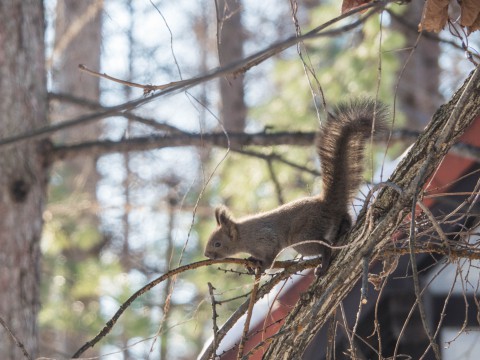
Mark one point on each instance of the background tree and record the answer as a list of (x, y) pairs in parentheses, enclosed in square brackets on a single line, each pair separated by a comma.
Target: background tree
[(23, 175), (72, 210)]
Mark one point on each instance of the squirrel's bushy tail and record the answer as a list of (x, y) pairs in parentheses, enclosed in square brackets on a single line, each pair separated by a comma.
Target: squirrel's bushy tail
[(341, 147)]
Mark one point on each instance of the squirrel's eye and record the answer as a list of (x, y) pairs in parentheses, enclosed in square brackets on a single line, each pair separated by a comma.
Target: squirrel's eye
[(217, 244)]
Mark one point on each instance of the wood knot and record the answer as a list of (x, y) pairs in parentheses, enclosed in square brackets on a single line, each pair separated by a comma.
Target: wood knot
[(19, 190)]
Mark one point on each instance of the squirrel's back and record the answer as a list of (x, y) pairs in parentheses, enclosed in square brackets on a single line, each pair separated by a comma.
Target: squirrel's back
[(341, 144)]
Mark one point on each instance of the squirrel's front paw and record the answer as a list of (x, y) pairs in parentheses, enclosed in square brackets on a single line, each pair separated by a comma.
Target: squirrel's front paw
[(256, 264)]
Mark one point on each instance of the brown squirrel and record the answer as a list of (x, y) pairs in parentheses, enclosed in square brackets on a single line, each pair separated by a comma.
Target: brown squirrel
[(340, 144)]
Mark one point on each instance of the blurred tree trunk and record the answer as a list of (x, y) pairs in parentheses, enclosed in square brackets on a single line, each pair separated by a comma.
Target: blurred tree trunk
[(418, 90), (230, 36), (23, 175), (78, 36)]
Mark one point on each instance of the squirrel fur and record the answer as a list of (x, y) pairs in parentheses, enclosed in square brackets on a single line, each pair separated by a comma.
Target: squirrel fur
[(340, 145)]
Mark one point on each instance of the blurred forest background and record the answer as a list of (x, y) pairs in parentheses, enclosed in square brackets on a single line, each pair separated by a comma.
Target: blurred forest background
[(115, 220)]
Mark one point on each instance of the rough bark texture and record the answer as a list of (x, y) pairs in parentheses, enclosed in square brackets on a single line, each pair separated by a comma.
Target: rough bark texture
[(230, 49), (390, 208), (23, 173)]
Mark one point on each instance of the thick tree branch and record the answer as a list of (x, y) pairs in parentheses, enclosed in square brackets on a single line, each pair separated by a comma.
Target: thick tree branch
[(387, 211), (95, 148), (182, 139)]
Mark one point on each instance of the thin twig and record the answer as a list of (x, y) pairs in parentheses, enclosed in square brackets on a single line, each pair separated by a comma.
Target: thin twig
[(246, 326), (276, 183), (90, 104), (416, 282), (436, 225), (214, 314), (347, 332), (364, 290), (464, 253), (264, 289), (15, 339)]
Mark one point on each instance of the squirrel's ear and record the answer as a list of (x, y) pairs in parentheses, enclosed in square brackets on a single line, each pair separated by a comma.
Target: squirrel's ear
[(225, 219), (223, 216)]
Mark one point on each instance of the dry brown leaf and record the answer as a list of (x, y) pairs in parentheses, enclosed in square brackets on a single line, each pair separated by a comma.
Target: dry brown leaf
[(475, 26), (435, 15), (470, 14), (470, 9), (348, 5)]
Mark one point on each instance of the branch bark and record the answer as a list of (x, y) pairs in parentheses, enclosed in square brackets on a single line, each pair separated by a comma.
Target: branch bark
[(182, 139), (373, 233)]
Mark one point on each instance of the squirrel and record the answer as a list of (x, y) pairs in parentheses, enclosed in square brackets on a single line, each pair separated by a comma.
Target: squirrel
[(340, 144)]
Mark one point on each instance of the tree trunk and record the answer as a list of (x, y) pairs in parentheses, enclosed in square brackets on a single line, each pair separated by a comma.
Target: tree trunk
[(23, 174), (78, 30), (230, 37)]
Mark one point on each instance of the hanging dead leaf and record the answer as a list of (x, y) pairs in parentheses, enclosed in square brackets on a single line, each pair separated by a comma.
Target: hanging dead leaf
[(475, 26), (435, 15), (348, 5), (470, 15), (470, 9)]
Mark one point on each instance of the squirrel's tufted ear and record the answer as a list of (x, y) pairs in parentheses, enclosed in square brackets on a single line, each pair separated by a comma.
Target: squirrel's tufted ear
[(225, 219), (223, 216)]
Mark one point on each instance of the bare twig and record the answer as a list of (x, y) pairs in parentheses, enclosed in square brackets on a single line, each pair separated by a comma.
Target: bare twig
[(416, 282), (278, 188), (364, 290), (275, 157), (249, 313), (214, 314), (15, 339), (263, 290), (347, 332), (435, 224), (146, 88), (87, 103), (431, 248)]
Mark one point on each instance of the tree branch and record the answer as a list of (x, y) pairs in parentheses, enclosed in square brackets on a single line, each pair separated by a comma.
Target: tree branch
[(390, 208), (290, 267), (152, 142), (183, 139)]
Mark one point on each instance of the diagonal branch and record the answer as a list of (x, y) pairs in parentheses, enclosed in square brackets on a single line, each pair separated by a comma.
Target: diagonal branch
[(390, 208)]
